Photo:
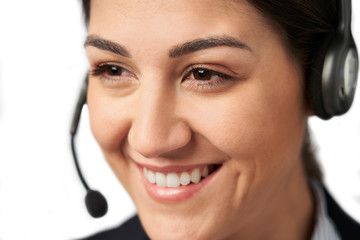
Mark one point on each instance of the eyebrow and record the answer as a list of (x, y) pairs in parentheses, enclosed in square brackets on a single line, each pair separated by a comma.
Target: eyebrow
[(177, 51), (107, 45), (205, 43)]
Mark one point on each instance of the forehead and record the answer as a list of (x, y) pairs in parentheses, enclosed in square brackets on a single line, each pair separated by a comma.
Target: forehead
[(185, 11), (172, 20), (155, 5)]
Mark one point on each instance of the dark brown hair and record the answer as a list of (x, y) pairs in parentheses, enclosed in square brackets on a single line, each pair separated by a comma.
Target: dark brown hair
[(305, 25), (86, 10)]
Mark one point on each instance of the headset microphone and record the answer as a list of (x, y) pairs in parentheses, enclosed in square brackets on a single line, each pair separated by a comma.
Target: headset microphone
[(96, 203)]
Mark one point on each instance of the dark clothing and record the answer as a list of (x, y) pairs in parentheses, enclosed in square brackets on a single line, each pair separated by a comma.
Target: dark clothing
[(131, 230), (348, 228)]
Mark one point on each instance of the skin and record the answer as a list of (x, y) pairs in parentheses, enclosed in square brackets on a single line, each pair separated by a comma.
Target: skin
[(158, 112)]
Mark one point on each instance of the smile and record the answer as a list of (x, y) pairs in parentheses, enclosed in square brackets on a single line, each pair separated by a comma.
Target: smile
[(175, 179), (175, 184)]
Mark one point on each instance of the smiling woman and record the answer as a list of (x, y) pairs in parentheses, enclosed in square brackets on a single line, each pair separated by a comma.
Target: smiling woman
[(200, 109)]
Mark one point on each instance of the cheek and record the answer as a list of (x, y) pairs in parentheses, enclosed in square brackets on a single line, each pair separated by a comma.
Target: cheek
[(252, 119), (110, 124), (108, 119), (260, 125)]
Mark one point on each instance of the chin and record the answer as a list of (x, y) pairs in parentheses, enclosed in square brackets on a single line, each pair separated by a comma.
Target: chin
[(170, 227)]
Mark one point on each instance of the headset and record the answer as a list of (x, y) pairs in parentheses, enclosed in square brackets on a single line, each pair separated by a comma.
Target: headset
[(331, 80), (95, 202), (330, 87)]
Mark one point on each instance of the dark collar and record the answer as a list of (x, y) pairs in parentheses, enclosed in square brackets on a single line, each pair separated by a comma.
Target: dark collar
[(347, 227), (131, 229)]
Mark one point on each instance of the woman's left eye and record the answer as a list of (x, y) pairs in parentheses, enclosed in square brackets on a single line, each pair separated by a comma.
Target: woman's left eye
[(206, 79), (204, 74)]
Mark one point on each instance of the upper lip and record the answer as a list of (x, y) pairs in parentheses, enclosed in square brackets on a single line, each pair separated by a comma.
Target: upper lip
[(174, 168), (170, 166)]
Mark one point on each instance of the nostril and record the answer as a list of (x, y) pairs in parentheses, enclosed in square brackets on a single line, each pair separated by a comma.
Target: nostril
[(156, 141), (144, 146)]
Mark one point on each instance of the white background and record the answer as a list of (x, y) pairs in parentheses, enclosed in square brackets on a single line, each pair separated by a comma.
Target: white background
[(42, 64)]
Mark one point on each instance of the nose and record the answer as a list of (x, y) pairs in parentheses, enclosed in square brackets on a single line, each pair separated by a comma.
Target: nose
[(157, 128)]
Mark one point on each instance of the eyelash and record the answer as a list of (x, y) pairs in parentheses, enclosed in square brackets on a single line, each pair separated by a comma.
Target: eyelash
[(100, 70), (220, 80)]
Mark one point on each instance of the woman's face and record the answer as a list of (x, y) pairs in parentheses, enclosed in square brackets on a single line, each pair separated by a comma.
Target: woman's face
[(179, 88)]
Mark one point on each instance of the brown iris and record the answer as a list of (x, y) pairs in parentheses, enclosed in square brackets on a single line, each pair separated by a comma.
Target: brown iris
[(110, 70), (113, 70), (202, 74)]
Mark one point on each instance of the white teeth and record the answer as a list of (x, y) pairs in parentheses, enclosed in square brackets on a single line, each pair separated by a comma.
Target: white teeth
[(195, 176), (176, 179), (184, 178), (151, 176), (172, 180), (160, 179), (205, 171)]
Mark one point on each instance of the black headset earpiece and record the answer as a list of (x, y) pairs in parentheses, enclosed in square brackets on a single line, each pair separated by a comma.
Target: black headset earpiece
[(331, 80), (96, 203)]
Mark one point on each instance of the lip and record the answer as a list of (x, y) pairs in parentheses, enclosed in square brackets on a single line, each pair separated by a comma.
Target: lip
[(170, 169), (178, 194)]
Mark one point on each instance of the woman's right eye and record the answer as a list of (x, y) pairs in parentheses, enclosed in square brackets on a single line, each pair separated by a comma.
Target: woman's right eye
[(111, 72)]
